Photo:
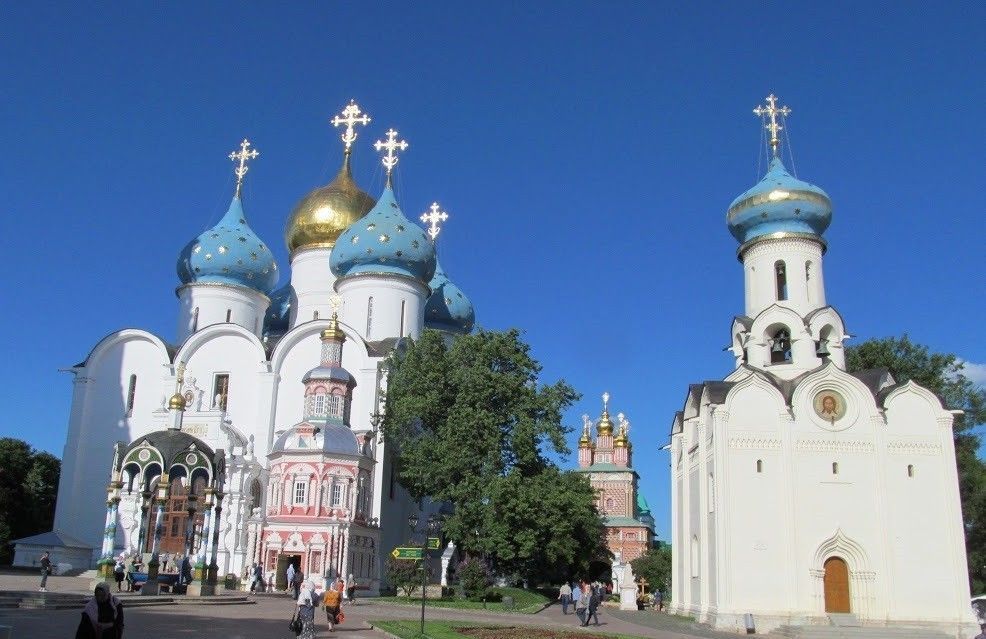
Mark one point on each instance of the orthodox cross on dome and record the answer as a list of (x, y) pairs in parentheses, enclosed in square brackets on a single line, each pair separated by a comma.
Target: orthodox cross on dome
[(432, 219), (335, 301), (180, 372), (772, 111), (606, 402), (391, 145), (624, 423), (242, 156), (351, 116)]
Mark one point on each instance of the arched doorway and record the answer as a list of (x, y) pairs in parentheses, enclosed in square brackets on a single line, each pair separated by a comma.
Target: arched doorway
[(836, 582)]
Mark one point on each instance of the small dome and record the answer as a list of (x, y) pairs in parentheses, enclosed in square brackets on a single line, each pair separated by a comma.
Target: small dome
[(329, 374), (322, 215), (229, 253), (384, 242), (448, 309), (277, 320), (330, 438), (779, 203)]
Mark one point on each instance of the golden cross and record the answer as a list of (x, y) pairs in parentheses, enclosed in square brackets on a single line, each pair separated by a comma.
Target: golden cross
[(432, 219), (242, 156), (391, 145), (335, 301), (606, 402), (772, 111), (643, 583), (180, 379), (351, 116)]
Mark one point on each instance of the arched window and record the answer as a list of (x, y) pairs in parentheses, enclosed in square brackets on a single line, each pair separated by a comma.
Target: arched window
[(336, 494), (403, 303), (229, 314), (695, 558), (780, 275), (780, 347), (759, 465), (369, 318), (300, 492), (256, 491), (131, 394), (910, 470), (609, 503), (808, 274), (835, 468), (320, 404), (195, 319), (335, 406)]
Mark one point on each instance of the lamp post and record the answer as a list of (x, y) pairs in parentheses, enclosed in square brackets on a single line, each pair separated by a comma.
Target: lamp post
[(431, 526)]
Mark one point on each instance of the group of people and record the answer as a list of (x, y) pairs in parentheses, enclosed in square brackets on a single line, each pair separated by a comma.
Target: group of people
[(585, 597), (310, 596)]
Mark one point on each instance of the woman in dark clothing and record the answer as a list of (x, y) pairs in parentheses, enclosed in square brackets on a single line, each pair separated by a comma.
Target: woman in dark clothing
[(102, 617)]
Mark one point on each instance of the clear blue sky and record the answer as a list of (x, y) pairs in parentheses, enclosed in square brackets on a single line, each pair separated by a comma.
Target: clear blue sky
[(586, 152)]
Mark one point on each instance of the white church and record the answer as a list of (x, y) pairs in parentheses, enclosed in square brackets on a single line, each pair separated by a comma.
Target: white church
[(252, 427), (802, 493)]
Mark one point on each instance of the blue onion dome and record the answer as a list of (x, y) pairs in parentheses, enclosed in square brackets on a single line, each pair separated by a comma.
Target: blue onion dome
[(384, 242), (779, 203), (278, 317), (448, 309), (229, 253)]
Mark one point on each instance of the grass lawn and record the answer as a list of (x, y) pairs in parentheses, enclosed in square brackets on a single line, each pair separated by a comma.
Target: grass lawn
[(465, 630), (527, 601)]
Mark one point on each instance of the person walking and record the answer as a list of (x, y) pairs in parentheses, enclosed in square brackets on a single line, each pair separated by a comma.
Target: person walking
[(45, 571), (582, 603), (565, 597), (659, 600), (290, 577), (102, 618), (351, 589), (593, 606), (119, 570), (299, 580), (258, 578), (332, 600), (306, 609)]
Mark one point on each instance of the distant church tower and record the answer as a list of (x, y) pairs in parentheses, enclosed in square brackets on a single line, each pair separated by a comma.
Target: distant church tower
[(629, 525), (801, 491)]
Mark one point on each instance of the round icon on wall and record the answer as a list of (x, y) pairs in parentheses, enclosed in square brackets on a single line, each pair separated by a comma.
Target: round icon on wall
[(830, 405)]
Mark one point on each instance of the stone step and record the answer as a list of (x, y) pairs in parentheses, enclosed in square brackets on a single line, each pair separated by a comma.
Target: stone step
[(855, 632)]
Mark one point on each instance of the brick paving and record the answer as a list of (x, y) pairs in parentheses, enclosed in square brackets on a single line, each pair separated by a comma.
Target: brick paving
[(268, 616)]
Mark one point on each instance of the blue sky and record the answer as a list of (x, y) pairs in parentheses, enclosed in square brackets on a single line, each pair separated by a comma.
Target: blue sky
[(586, 153)]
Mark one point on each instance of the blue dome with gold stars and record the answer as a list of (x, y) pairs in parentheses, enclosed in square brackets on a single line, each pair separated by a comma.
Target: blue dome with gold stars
[(779, 204), (384, 241), (277, 320), (448, 309), (229, 253)]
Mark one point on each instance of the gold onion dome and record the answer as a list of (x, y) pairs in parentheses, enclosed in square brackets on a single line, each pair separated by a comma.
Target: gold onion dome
[(333, 332), (585, 441), (605, 424), (621, 440), (177, 402), (322, 215)]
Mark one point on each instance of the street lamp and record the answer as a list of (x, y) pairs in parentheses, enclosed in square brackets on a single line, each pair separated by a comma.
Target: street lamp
[(431, 526)]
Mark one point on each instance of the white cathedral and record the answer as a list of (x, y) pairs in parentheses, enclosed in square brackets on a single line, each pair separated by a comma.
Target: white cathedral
[(802, 493), (265, 426)]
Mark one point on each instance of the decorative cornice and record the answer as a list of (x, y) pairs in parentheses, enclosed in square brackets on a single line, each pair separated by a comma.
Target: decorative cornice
[(914, 448), (754, 443), (780, 235), (828, 446)]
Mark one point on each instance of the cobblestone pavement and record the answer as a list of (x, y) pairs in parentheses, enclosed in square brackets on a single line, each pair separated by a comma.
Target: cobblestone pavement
[(268, 618)]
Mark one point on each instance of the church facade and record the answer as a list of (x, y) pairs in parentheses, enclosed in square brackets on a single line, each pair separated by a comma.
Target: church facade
[(259, 376), (801, 490), (607, 460)]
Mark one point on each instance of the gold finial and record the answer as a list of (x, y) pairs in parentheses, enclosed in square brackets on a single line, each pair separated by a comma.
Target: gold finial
[(242, 156), (586, 440), (622, 439), (335, 301), (605, 426), (177, 401), (351, 116), (391, 145), (333, 332), (432, 219), (772, 111)]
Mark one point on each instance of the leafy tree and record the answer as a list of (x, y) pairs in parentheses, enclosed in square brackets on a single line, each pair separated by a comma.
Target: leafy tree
[(474, 428), (28, 486), (404, 574), (655, 567), (474, 576), (942, 374)]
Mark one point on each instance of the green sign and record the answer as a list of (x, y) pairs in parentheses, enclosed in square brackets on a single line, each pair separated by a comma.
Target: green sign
[(406, 553), (434, 543)]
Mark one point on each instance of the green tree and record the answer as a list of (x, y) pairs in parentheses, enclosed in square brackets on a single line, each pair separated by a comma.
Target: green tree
[(28, 486), (655, 567), (404, 574), (942, 374), (474, 427)]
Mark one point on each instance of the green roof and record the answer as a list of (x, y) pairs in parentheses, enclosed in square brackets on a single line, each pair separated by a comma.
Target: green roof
[(623, 521), (606, 468), (642, 506)]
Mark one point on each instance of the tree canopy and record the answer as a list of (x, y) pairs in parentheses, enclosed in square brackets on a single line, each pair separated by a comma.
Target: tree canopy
[(942, 374), (28, 487), (655, 567), (474, 427)]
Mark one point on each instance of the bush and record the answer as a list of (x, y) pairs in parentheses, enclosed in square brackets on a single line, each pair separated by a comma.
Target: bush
[(474, 577), (403, 574)]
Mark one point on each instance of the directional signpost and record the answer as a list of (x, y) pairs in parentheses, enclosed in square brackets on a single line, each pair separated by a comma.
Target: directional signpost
[(434, 543), (407, 553)]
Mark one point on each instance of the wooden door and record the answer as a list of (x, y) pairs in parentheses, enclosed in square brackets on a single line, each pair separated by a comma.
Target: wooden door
[(836, 585)]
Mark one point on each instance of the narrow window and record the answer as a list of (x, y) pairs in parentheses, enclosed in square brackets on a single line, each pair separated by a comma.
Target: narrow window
[(835, 468), (220, 391), (336, 494), (315, 315), (811, 297), (369, 318), (229, 314), (694, 556), (712, 493), (781, 277), (300, 490), (131, 393), (910, 470), (320, 403), (403, 304), (195, 319), (759, 465), (335, 406), (780, 347), (609, 503)]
